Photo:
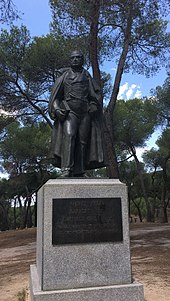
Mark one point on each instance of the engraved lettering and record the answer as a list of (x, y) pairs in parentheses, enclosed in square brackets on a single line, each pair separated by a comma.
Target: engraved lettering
[(86, 220)]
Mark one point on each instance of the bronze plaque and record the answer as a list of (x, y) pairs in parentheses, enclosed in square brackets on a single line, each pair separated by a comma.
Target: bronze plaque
[(86, 221)]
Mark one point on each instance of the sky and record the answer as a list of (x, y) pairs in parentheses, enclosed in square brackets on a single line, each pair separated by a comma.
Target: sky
[(36, 15)]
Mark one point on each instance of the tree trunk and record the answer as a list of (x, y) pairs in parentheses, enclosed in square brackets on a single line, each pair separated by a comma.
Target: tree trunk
[(139, 211), (121, 64), (109, 129), (163, 209), (22, 214), (93, 43), (148, 206), (129, 202), (164, 204), (35, 213), (15, 224), (110, 154), (118, 76), (112, 167), (4, 224), (28, 217)]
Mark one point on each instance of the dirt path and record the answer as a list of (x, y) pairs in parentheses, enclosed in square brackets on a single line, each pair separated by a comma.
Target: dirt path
[(17, 252), (150, 250)]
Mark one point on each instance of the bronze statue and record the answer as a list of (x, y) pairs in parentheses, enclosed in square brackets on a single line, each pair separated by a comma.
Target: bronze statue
[(77, 133)]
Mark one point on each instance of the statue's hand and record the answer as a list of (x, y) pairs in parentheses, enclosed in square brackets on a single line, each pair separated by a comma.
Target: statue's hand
[(61, 114), (93, 110)]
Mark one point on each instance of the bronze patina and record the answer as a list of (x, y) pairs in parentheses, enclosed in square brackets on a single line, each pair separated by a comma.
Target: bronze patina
[(77, 140)]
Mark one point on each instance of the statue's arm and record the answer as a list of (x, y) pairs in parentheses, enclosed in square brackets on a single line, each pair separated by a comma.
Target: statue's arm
[(56, 97), (55, 109)]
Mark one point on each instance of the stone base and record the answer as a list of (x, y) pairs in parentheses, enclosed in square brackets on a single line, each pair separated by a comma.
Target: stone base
[(124, 292), (82, 265)]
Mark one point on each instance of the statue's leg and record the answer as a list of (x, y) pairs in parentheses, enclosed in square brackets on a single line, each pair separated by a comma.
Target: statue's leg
[(70, 128), (81, 146)]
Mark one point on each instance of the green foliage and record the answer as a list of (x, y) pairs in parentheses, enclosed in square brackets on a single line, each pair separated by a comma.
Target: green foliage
[(24, 148), (21, 295), (25, 154), (152, 159), (153, 183), (156, 158), (107, 87), (13, 55), (47, 54), (28, 69), (164, 143), (24, 151), (4, 121), (162, 102), (140, 202), (70, 17), (134, 121), (128, 172), (159, 161), (99, 173)]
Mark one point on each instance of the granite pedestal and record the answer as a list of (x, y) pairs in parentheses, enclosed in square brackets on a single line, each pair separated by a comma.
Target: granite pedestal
[(83, 243)]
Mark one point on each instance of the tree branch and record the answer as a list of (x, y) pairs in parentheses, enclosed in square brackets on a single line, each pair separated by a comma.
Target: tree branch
[(31, 103)]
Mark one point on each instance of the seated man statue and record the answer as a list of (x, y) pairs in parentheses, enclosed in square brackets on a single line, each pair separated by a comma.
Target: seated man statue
[(77, 141)]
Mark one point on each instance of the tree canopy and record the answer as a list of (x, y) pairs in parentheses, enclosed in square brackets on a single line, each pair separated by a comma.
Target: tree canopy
[(139, 23), (135, 121), (28, 69), (8, 11), (162, 96), (130, 34), (25, 154)]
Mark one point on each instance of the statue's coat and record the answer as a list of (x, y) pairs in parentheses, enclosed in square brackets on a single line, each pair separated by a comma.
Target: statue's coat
[(95, 153)]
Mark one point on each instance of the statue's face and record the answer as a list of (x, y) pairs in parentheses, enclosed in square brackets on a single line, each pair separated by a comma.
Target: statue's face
[(76, 59)]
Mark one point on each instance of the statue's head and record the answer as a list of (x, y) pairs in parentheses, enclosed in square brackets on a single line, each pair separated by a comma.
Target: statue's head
[(76, 59)]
